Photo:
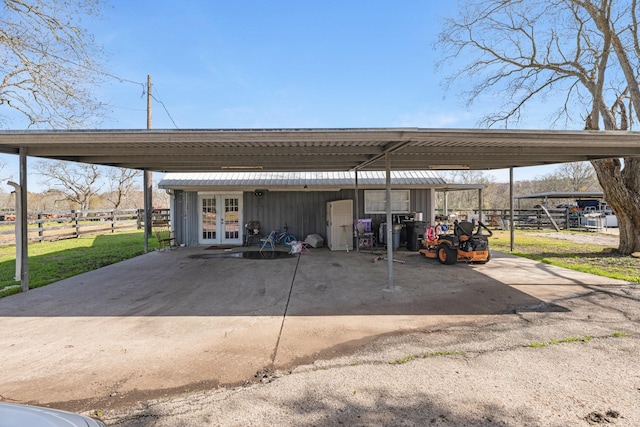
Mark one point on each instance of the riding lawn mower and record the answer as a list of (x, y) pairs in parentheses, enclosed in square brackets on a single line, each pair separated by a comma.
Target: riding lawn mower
[(469, 242)]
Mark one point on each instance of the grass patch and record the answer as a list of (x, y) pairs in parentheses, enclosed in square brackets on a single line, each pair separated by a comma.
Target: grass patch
[(576, 339), (586, 258), (53, 261), (424, 356), (621, 334), (538, 344), (10, 290), (586, 338)]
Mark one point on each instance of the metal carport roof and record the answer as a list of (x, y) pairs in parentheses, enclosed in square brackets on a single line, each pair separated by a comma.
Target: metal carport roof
[(210, 150)]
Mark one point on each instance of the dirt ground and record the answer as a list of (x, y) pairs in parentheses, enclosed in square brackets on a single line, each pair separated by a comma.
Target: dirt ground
[(573, 367), (609, 238)]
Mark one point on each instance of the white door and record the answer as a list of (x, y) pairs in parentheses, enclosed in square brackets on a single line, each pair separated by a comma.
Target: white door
[(220, 217), (340, 225)]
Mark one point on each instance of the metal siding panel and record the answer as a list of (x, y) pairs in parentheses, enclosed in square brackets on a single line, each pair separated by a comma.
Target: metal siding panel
[(180, 225), (312, 215), (304, 212), (191, 218), (250, 206), (418, 202), (177, 225)]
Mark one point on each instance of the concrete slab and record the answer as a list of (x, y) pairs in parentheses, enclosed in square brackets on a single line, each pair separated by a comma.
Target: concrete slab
[(193, 318)]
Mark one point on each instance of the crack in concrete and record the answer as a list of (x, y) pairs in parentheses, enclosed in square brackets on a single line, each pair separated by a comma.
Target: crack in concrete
[(284, 316)]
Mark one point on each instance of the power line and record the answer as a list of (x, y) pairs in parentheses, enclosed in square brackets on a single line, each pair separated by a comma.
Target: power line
[(113, 76), (127, 108), (104, 73), (164, 107)]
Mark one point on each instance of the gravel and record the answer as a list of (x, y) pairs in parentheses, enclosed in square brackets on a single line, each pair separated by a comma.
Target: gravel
[(577, 366)]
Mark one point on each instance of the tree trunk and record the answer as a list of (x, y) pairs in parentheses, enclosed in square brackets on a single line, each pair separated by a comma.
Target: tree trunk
[(622, 192)]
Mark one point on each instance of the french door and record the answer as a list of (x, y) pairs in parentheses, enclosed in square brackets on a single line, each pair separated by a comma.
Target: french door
[(220, 218)]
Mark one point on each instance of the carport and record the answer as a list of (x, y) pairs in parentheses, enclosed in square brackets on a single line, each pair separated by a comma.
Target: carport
[(387, 149)]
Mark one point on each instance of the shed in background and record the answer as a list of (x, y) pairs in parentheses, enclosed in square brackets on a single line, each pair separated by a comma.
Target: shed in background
[(297, 199)]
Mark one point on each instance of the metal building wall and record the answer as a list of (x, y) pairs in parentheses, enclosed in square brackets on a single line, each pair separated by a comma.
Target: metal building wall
[(303, 211)]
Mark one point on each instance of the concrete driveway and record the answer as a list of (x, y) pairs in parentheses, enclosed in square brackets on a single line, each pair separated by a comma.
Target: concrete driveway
[(193, 318)]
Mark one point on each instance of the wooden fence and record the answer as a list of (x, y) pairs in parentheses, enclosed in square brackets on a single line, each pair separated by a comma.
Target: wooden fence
[(535, 218), (57, 225)]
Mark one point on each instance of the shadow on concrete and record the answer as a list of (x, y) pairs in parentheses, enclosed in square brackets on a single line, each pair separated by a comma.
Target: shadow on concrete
[(345, 407)]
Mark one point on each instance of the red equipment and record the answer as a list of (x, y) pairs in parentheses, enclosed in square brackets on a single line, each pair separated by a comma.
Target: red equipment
[(469, 242)]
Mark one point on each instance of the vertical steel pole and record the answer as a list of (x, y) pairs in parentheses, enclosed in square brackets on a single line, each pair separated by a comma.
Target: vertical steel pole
[(24, 232), (357, 201), (387, 159), (18, 229), (445, 204), (511, 219)]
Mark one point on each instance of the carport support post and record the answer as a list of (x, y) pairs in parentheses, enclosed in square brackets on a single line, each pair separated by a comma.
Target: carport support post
[(148, 182), (512, 222), (24, 232), (479, 204), (387, 161), (357, 202), (445, 203), (18, 229)]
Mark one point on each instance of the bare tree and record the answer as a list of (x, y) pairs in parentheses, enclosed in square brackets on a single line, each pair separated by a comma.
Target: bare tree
[(77, 183), (580, 176), (122, 184), (3, 178), (550, 183), (161, 198), (49, 65), (7, 201), (466, 199), (580, 57)]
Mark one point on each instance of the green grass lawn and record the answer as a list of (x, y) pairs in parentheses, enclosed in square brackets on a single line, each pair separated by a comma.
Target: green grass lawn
[(53, 261), (588, 258)]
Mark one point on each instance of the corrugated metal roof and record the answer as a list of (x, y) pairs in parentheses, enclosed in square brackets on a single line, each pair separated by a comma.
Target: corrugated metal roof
[(269, 150), (563, 195), (288, 180)]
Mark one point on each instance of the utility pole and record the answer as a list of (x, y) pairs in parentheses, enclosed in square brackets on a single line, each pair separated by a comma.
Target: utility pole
[(149, 98), (148, 180)]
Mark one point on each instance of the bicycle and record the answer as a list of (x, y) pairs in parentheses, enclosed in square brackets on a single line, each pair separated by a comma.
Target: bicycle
[(276, 236)]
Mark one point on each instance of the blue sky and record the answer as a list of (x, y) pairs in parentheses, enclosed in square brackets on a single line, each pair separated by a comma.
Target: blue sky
[(256, 64), (279, 64)]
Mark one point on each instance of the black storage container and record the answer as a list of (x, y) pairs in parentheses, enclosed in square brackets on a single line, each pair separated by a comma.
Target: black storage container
[(416, 230)]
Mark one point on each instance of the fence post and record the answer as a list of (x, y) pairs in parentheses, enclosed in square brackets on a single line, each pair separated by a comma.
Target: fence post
[(76, 214), (40, 224), (139, 219)]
